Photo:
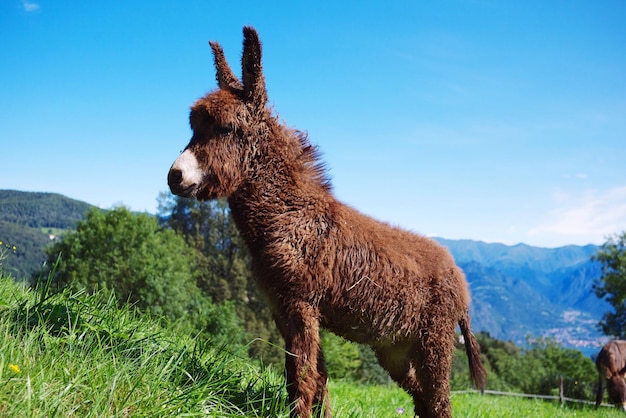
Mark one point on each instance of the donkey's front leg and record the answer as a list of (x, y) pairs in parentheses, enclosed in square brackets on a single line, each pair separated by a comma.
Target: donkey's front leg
[(304, 364)]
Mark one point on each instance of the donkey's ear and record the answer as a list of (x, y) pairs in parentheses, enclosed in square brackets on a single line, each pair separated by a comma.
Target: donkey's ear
[(253, 80), (225, 78)]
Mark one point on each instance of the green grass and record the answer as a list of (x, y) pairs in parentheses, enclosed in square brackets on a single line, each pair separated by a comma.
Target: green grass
[(53, 231), (487, 406), (74, 355), (350, 400)]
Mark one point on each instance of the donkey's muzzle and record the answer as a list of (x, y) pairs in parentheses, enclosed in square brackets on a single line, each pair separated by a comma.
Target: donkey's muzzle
[(175, 181), (185, 176)]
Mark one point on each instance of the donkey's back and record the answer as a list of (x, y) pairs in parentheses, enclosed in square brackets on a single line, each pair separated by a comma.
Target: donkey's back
[(388, 284)]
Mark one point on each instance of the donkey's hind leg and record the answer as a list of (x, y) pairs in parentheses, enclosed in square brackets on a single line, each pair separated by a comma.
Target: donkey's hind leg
[(432, 359)]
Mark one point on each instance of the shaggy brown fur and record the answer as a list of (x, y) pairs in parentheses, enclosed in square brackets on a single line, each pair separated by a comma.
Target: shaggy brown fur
[(611, 365), (319, 262)]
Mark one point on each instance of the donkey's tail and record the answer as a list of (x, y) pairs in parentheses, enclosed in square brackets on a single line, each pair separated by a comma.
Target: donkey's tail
[(478, 375)]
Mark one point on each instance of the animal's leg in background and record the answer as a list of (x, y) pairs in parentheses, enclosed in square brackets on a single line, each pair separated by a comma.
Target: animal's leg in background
[(396, 360), (600, 389), (301, 332), (622, 388)]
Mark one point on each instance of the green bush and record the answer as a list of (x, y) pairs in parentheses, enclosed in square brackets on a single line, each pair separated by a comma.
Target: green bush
[(151, 268)]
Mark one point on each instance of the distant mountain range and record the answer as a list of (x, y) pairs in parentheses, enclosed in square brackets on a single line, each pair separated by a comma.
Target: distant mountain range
[(521, 292), (518, 292)]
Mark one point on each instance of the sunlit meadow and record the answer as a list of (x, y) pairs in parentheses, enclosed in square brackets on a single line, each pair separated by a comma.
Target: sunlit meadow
[(77, 355)]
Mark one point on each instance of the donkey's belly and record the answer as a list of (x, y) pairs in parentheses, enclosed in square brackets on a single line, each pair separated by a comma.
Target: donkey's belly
[(365, 324)]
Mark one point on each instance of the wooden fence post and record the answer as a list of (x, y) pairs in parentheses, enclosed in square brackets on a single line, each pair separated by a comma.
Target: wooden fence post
[(561, 394)]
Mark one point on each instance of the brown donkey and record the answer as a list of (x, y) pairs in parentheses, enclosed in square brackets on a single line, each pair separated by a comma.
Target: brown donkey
[(611, 365), (319, 262)]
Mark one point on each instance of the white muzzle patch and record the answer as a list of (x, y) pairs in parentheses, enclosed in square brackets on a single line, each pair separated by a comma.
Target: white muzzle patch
[(187, 164)]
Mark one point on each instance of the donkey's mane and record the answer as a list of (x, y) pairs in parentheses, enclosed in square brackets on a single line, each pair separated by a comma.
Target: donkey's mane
[(312, 160), (308, 158)]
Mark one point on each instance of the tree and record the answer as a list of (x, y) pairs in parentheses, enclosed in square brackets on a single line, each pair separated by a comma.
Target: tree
[(537, 369), (142, 264), (224, 266), (612, 284), (546, 363), (221, 255), (342, 356)]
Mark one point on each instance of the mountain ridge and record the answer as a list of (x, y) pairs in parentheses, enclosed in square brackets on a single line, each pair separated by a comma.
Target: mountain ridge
[(30, 221), (519, 292)]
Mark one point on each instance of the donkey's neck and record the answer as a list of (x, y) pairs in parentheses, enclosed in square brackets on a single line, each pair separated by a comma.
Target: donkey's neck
[(289, 191)]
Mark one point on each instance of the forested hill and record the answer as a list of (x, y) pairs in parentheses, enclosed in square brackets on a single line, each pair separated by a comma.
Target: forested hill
[(28, 222), (40, 210)]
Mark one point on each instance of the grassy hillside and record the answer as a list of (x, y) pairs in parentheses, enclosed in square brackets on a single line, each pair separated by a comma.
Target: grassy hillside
[(73, 355), (28, 222)]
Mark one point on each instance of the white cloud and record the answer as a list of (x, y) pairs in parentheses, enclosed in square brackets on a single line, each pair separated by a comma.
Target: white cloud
[(30, 7), (585, 217)]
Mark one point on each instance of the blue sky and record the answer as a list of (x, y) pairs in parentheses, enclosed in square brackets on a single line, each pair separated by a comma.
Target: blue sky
[(501, 121)]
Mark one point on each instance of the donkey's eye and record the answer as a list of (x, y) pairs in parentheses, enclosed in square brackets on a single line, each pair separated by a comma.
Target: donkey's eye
[(224, 130)]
